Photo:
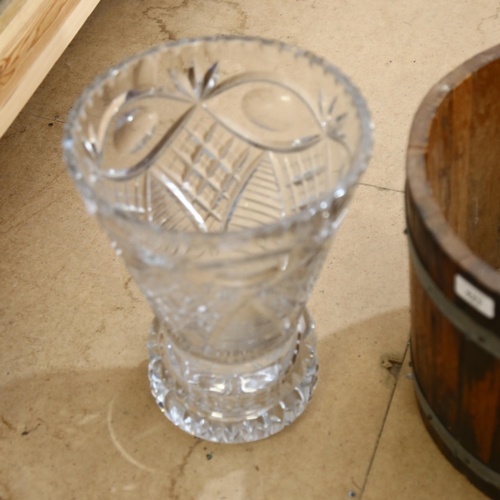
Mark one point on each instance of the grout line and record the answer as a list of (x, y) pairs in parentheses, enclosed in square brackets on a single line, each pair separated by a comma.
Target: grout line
[(389, 404), (381, 188), (53, 120)]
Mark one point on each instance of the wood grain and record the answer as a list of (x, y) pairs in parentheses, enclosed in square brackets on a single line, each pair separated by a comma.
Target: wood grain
[(30, 45), (453, 214)]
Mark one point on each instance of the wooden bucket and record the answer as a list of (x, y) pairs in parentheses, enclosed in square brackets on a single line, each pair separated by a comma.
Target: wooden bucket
[(453, 219)]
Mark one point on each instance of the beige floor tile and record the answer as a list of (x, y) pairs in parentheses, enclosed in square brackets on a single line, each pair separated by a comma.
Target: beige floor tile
[(92, 433), (367, 269), (66, 297), (408, 465)]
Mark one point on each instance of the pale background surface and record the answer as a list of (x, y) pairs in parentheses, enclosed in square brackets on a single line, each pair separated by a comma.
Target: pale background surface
[(76, 417)]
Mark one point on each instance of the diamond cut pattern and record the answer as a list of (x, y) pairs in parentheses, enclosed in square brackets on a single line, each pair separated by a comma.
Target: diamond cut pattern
[(216, 178), (210, 166)]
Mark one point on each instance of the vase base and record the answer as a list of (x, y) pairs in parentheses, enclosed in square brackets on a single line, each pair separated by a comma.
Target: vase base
[(286, 400)]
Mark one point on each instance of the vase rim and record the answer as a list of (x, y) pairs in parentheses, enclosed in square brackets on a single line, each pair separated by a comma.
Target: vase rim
[(357, 166)]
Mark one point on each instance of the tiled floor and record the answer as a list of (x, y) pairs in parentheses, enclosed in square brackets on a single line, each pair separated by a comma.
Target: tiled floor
[(76, 417)]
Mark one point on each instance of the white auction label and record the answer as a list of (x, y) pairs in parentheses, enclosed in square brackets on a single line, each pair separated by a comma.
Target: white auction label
[(474, 297)]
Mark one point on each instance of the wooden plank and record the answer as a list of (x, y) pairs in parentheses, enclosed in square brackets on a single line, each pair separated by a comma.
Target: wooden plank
[(30, 44), (480, 400), (483, 202)]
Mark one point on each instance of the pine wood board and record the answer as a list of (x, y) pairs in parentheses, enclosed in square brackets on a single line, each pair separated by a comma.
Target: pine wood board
[(33, 35)]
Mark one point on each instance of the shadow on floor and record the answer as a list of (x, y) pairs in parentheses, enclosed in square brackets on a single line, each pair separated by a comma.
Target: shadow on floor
[(98, 434)]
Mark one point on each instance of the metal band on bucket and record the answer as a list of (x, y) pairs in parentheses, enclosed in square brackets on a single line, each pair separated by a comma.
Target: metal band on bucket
[(472, 330), (470, 461)]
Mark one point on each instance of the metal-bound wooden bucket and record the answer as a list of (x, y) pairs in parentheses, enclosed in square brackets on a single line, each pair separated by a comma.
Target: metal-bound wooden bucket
[(453, 217)]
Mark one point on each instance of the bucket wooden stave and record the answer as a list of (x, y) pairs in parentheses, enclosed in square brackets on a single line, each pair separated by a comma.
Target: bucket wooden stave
[(453, 219)]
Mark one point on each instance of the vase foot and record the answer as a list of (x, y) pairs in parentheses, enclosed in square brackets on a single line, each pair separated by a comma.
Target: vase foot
[(258, 415)]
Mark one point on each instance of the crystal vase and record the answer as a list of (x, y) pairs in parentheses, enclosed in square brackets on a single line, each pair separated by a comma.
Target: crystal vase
[(221, 168)]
